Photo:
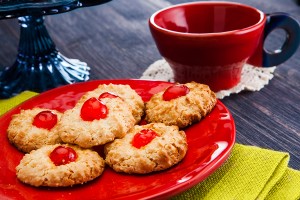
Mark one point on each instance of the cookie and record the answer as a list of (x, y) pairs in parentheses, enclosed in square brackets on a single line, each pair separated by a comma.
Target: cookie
[(147, 148), (58, 166), (125, 92), (82, 125), (181, 104), (33, 128)]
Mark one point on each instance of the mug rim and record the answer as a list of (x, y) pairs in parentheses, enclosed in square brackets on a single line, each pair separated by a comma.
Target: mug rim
[(184, 34)]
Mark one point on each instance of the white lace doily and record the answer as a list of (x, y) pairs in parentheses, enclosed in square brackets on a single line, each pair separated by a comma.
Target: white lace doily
[(252, 79)]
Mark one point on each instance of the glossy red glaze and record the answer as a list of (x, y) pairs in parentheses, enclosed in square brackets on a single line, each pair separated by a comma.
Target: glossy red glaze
[(62, 155), (107, 95), (45, 119), (175, 91), (143, 138), (93, 109), (209, 141), (208, 42)]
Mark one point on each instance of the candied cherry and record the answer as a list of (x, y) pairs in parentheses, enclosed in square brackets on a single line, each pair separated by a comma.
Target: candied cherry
[(45, 119), (175, 91), (107, 95), (93, 109), (143, 122), (62, 155), (143, 138)]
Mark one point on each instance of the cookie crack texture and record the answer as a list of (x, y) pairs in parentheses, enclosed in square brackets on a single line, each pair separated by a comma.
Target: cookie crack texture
[(97, 132), (27, 137), (184, 110), (37, 169), (159, 154)]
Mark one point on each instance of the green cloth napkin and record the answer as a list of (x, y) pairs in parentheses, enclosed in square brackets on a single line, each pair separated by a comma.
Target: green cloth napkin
[(7, 104), (249, 173)]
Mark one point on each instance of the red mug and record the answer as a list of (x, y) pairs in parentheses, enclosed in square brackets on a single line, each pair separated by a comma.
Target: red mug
[(209, 42)]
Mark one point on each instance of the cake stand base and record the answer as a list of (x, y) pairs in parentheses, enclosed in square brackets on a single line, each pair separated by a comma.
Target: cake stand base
[(39, 66)]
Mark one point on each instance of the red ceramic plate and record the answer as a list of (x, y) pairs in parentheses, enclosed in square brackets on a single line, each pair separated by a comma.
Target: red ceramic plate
[(209, 144)]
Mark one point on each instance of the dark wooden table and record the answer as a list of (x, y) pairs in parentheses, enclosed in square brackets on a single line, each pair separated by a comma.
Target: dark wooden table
[(114, 39)]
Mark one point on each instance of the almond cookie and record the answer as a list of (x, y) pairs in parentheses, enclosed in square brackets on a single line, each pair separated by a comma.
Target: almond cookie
[(181, 104), (34, 128), (59, 166), (125, 92), (96, 122), (147, 148)]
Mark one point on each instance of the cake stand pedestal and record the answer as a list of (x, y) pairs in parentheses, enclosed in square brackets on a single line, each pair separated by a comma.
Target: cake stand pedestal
[(39, 66)]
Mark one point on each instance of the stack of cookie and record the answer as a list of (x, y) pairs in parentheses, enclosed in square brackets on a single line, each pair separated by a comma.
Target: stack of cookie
[(59, 146)]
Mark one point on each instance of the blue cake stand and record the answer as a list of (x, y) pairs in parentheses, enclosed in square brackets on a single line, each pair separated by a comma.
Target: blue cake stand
[(39, 66)]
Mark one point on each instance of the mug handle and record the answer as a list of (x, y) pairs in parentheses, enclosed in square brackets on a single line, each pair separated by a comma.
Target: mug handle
[(292, 28)]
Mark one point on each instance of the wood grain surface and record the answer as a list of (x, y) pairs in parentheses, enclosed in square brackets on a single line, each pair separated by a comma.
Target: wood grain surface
[(115, 41)]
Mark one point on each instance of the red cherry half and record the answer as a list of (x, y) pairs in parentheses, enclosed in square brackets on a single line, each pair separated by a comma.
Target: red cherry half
[(143, 138), (175, 91), (63, 155), (107, 95), (45, 119), (93, 109), (143, 122)]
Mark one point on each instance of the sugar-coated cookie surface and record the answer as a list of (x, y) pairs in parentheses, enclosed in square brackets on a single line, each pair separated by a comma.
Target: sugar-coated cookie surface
[(74, 130), (123, 91), (184, 110), (37, 169), (165, 150), (26, 136)]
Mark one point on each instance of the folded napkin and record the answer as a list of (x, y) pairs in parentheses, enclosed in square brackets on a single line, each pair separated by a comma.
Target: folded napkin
[(7, 104), (249, 173)]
